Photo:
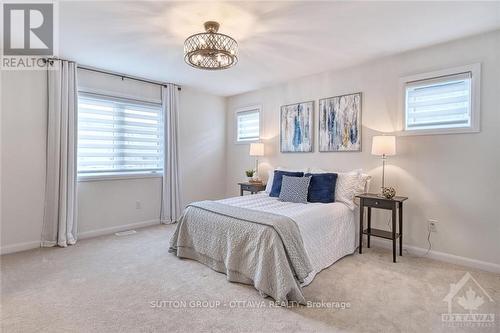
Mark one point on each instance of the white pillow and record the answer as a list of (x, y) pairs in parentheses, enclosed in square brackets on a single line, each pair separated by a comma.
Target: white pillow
[(270, 176), (270, 179), (346, 187), (350, 184)]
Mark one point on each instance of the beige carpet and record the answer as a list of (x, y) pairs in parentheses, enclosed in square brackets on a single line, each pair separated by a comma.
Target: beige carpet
[(109, 284)]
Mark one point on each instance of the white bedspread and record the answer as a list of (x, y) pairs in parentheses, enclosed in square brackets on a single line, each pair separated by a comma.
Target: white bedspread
[(328, 230)]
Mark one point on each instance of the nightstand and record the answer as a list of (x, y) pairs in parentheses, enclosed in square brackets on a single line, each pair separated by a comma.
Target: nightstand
[(374, 201), (251, 187)]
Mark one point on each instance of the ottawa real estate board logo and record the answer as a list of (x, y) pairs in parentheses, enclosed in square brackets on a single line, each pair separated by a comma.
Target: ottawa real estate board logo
[(28, 35), (469, 305)]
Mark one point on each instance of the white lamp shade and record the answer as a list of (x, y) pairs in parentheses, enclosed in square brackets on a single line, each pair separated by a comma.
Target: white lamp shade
[(256, 149), (384, 145)]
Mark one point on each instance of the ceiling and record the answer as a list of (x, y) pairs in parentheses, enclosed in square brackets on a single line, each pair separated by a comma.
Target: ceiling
[(278, 41)]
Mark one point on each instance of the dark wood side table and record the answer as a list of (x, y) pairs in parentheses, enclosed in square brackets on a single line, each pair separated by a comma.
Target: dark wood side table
[(251, 187), (370, 201)]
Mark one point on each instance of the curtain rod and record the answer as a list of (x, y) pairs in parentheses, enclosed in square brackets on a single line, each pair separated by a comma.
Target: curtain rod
[(103, 71)]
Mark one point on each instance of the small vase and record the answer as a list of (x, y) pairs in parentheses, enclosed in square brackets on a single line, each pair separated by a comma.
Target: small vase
[(250, 179)]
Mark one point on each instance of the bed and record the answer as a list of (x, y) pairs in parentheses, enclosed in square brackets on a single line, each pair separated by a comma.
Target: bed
[(278, 247), (327, 230)]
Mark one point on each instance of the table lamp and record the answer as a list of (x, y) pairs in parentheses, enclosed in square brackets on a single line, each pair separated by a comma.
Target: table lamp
[(384, 145), (257, 149)]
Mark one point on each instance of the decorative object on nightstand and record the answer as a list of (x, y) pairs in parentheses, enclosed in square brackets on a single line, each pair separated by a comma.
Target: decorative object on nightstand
[(250, 174), (375, 201), (389, 192), (256, 150), (252, 187), (383, 145)]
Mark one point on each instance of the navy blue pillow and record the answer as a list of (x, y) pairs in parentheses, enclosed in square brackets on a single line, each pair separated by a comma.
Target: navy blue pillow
[(322, 187), (278, 178)]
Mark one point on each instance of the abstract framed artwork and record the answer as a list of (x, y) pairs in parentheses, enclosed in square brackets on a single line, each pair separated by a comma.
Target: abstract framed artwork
[(340, 123), (296, 127)]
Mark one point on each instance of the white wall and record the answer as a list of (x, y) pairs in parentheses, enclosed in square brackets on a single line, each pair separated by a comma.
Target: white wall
[(202, 145), (104, 206), (110, 205), (452, 178), (23, 131)]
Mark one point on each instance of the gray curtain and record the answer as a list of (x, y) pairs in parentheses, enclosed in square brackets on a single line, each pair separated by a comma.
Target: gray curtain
[(59, 220), (171, 196)]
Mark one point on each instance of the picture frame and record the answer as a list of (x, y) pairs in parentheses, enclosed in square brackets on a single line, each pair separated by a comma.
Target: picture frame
[(297, 127), (339, 123)]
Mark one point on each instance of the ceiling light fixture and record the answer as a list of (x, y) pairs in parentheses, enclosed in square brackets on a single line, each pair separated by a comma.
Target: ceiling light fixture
[(210, 50)]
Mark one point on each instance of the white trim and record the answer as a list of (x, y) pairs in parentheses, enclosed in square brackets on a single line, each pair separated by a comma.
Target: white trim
[(475, 70), (441, 256), (111, 230), (19, 247), (386, 244), (95, 177), (235, 123), (84, 235)]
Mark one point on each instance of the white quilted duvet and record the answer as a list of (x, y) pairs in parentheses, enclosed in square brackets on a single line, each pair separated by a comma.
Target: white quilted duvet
[(328, 230)]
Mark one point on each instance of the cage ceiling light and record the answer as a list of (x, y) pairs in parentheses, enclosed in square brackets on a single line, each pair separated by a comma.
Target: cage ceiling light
[(211, 50)]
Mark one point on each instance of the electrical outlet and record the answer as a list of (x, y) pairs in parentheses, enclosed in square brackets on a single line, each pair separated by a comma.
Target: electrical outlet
[(138, 205), (433, 225)]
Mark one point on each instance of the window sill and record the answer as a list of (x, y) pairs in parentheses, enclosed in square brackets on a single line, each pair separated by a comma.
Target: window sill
[(95, 177), (246, 142), (441, 131)]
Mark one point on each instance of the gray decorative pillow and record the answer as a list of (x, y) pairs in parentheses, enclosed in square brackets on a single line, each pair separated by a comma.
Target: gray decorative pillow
[(294, 189)]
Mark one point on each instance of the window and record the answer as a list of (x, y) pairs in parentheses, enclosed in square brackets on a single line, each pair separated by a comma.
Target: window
[(248, 124), (442, 102), (117, 136)]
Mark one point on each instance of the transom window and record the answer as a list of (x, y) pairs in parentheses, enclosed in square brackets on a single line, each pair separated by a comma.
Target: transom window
[(442, 102), (118, 136), (248, 124)]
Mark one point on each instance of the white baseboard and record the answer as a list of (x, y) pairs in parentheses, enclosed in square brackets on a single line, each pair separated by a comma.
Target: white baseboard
[(111, 230), (441, 256), (82, 235), (19, 247)]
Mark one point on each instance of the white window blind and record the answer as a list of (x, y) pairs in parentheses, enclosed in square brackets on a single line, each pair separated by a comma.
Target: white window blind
[(118, 136), (438, 103), (247, 123)]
